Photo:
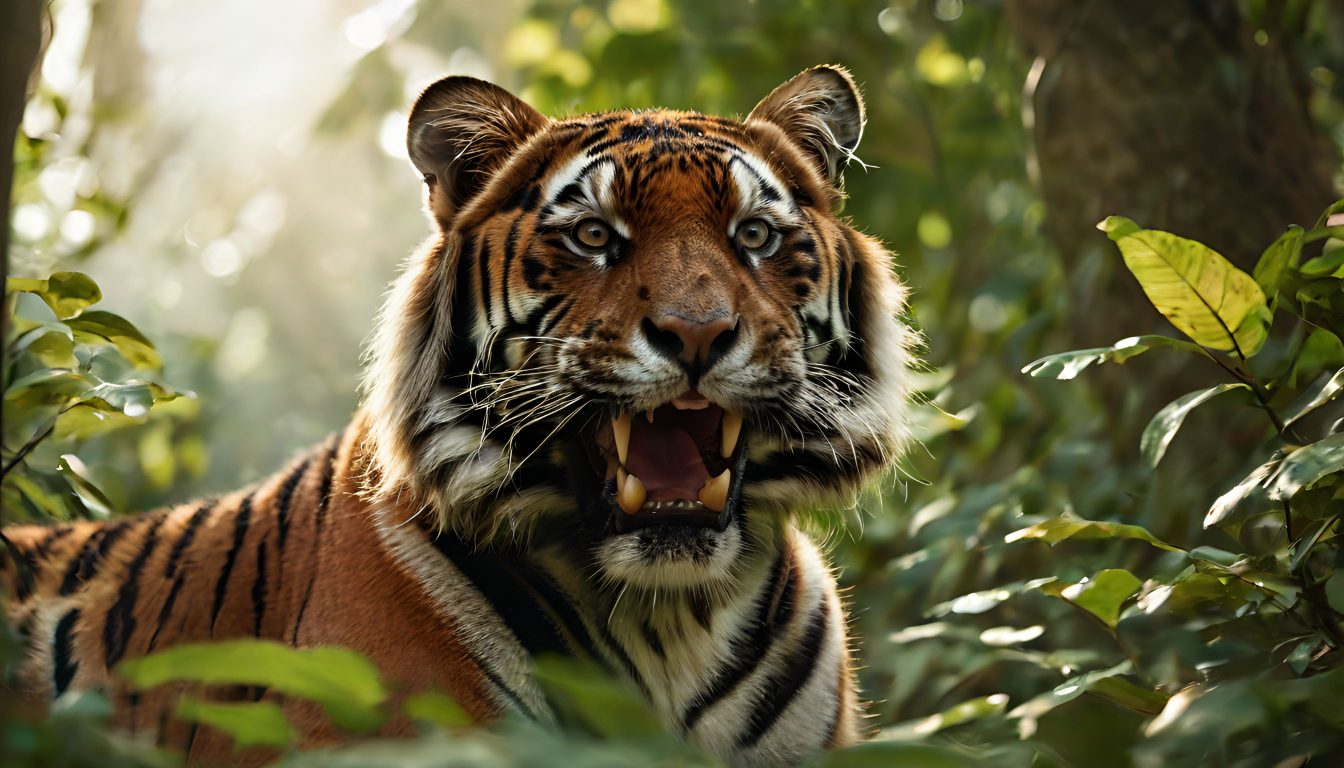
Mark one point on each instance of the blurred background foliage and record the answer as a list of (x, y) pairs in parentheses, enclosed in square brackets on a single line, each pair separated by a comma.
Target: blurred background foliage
[(233, 176)]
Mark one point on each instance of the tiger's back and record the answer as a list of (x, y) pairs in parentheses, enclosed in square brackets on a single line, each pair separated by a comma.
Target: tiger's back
[(293, 560)]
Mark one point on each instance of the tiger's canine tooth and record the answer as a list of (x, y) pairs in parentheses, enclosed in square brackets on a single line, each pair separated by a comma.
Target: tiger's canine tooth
[(620, 430), (650, 415), (715, 493), (631, 495), (732, 427)]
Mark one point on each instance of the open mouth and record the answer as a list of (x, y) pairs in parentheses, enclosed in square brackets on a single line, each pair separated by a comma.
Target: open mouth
[(674, 465)]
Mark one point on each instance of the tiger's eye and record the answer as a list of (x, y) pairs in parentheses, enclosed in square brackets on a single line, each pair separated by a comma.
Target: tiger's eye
[(753, 234), (592, 233)]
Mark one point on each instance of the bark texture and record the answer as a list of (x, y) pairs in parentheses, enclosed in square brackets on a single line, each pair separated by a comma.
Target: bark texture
[(20, 44), (1169, 112)]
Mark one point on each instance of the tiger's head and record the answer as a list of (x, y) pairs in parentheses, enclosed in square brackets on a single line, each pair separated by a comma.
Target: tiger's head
[(650, 328)]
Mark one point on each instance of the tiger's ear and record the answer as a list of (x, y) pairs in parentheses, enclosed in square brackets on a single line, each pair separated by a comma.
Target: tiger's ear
[(461, 131), (822, 111)]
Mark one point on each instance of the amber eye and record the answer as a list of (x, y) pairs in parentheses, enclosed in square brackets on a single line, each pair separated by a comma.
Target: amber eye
[(753, 234), (592, 233)]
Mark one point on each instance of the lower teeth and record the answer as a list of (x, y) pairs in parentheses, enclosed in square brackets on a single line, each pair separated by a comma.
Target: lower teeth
[(679, 504)]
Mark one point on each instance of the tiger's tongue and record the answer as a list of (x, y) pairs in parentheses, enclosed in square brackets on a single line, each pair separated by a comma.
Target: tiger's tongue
[(664, 457)]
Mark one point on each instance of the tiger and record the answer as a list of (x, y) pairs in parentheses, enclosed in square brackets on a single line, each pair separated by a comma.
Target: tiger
[(600, 402)]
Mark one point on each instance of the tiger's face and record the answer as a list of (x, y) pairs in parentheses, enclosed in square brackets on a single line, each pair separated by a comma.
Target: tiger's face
[(645, 331)]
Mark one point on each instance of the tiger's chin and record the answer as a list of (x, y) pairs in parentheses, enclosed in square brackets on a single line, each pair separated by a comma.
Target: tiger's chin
[(664, 490)]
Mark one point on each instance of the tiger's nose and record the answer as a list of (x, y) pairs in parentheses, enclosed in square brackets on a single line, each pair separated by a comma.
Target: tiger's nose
[(698, 345)]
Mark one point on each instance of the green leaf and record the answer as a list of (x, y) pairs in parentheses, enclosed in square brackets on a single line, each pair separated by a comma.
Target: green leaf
[(1325, 264), (103, 327), (599, 701), (1319, 292), (1322, 391), (1103, 594), (67, 293), (132, 397), (53, 349), (1227, 503), (1300, 658), (1200, 292), (49, 386), (1274, 262), (1067, 365), (1055, 531), (345, 683), (1328, 224), (1306, 465), (249, 724), (1159, 432), (1127, 694), (965, 712), (92, 496), (1117, 227), (1032, 710), (436, 708), (1320, 351), (885, 754)]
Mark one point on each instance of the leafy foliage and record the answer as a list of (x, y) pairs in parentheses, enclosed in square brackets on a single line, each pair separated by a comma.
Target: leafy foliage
[(70, 373), (994, 578)]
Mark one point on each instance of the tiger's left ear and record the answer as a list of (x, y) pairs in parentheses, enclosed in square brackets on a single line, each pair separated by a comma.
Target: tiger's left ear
[(461, 132), (820, 110)]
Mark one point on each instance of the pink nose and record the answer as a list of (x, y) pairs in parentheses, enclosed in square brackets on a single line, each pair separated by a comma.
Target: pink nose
[(697, 345)]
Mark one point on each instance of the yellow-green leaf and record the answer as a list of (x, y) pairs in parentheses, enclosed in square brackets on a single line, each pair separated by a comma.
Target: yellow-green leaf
[(1066, 365), (104, 327), (1103, 594), (1055, 531), (1307, 465), (434, 707), (1217, 305), (67, 293), (345, 683), (249, 724), (1276, 260), (1159, 432)]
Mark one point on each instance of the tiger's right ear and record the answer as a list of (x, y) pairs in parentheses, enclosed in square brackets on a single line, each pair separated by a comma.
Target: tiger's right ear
[(462, 130)]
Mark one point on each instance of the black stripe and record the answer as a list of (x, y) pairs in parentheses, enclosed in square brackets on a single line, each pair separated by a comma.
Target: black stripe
[(651, 637), (750, 648), (40, 551), (240, 522), (537, 316), (62, 646), (184, 540), (70, 582), (23, 567), (119, 623), (166, 611), (560, 603), (781, 688), (506, 690), (510, 245), (559, 315), (259, 590), (482, 269), (283, 499), (323, 497), (502, 587), (83, 565)]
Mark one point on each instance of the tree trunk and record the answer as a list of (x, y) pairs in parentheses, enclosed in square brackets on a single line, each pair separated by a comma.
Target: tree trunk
[(20, 44), (1172, 113)]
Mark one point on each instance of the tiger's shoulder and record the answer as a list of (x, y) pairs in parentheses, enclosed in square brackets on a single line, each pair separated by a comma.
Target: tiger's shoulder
[(85, 595)]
